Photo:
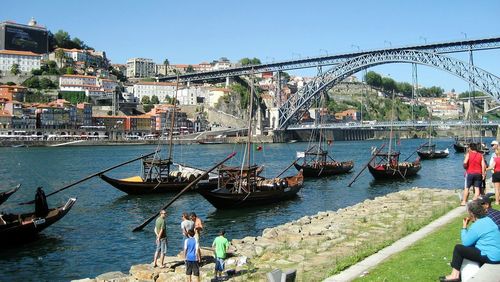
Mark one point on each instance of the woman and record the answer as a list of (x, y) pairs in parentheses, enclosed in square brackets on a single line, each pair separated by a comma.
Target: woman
[(495, 167), (480, 243), (476, 172)]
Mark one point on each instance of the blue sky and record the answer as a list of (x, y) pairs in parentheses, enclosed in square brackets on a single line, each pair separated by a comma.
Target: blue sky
[(190, 32)]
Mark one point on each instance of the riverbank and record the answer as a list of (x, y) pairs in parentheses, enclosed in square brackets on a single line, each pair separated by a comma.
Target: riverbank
[(317, 246)]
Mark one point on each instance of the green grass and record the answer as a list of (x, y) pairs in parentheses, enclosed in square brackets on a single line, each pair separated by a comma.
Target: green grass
[(426, 260)]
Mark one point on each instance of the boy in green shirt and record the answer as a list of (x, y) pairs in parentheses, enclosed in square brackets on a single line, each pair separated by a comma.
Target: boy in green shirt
[(220, 245)]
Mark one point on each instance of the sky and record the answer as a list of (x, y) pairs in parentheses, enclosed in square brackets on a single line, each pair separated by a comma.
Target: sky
[(191, 32)]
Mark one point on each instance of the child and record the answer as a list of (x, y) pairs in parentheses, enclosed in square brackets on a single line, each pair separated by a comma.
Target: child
[(192, 256), (220, 245)]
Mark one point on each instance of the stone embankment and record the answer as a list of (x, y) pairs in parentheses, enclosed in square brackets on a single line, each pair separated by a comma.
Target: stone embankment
[(317, 246)]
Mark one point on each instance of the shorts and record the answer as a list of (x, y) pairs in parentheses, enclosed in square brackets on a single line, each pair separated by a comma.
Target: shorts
[(193, 268), (161, 246), (474, 179), (496, 177), (219, 264)]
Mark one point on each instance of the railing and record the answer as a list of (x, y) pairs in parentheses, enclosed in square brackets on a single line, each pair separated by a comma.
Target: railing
[(386, 124)]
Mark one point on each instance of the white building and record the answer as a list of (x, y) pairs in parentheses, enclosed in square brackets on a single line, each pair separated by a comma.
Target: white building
[(27, 61), (91, 85), (159, 89), (214, 94), (140, 67)]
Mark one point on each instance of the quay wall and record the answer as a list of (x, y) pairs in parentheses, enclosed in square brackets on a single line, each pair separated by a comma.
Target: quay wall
[(318, 245)]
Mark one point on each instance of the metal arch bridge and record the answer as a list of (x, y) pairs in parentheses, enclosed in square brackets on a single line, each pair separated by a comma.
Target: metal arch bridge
[(396, 124), (311, 62), (482, 79)]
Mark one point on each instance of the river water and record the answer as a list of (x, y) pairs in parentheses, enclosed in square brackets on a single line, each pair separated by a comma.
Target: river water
[(95, 237)]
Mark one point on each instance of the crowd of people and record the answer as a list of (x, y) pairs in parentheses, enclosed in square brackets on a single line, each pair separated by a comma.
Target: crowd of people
[(191, 228), (480, 233)]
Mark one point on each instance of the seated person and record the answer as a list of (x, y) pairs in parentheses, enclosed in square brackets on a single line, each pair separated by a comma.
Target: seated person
[(41, 206), (480, 243), (494, 214)]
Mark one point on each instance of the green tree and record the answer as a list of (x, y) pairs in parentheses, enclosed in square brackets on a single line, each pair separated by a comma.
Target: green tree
[(374, 79), (145, 100), (70, 70), (62, 38), (147, 107), (10, 83), (243, 94), (46, 83), (190, 69), (74, 97), (388, 84), (405, 88), (15, 69), (155, 100), (36, 72), (32, 82), (60, 56)]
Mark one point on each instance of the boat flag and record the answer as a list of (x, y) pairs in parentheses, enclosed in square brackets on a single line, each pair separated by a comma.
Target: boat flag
[(301, 155), (329, 142), (258, 147)]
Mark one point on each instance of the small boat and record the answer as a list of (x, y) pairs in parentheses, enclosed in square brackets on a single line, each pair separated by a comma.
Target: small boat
[(244, 188), (387, 166), (316, 165), (461, 145), (5, 195), (210, 141), (19, 146), (428, 152), (18, 227)]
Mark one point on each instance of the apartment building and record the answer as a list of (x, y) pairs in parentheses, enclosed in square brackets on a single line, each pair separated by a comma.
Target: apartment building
[(25, 60), (140, 67)]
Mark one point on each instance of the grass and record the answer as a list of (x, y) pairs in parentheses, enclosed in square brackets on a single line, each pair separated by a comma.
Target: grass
[(426, 260)]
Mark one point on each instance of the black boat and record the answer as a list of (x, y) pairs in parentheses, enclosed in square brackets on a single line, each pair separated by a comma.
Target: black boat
[(316, 164), (428, 152), (461, 145), (242, 187), (5, 195), (387, 166), (18, 227)]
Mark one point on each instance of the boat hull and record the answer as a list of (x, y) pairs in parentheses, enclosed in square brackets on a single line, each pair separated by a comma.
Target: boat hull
[(327, 170), (429, 155), (150, 187), (5, 195), (221, 199), (30, 225), (403, 172)]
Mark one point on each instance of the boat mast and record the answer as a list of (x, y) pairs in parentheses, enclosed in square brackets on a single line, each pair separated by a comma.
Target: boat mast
[(174, 102), (390, 134), (249, 142)]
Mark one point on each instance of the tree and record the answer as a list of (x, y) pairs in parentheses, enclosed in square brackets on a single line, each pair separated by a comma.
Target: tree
[(145, 100), (190, 69), (32, 82), (374, 79), (10, 83), (70, 70), (147, 107), (155, 100), (60, 56), (62, 38), (15, 69), (388, 84), (166, 63), (46, 83)]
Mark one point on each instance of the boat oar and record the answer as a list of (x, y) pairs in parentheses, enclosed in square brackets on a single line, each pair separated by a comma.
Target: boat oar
[(374, 155), (283, 171), (90, 176), (140, 227), (415, 151)]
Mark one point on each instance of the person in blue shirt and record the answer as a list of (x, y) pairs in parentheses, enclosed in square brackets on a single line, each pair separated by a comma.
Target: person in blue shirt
[(192, 256), (480, 242)]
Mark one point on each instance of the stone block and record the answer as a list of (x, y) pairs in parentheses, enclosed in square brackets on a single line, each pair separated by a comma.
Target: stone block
[(144, 272), (114, 276)]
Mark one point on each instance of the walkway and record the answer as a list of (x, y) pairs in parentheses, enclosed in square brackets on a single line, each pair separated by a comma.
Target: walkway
[(370, 262)]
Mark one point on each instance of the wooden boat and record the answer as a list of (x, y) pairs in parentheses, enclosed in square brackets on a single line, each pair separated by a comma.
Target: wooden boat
[(387, 166), (244, 188), (5, 195), (157, 178), (18, 227), (318, 165), (428, 152), (210, 141), (461, 145)]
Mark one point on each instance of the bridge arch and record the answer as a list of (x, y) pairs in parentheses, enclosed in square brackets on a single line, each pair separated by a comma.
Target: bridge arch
[(303, 99)]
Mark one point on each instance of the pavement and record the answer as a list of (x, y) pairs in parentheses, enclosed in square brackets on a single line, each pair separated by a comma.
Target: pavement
[(372, 261)]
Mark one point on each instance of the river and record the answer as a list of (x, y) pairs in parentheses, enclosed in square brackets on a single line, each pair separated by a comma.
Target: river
[(95, 237)]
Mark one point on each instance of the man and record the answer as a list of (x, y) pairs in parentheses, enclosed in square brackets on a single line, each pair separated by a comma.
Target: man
[(161, 239), (475, 172), (220, 245), (198, 226), (186, 225), (192, 256), (490, 212)]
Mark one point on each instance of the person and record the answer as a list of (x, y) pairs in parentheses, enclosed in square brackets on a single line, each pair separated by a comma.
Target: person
[(198, 226), (494, 165), (220, 245), (490, 212), (41, 206), (480, 242), (161, 239), (192, 256), (476, 172), (186, 225)]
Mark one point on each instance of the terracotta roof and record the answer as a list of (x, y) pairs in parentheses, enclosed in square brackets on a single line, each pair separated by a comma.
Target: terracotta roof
[(12, 86), (78, 75), (5, 114), (20, 53), (157, 83)]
